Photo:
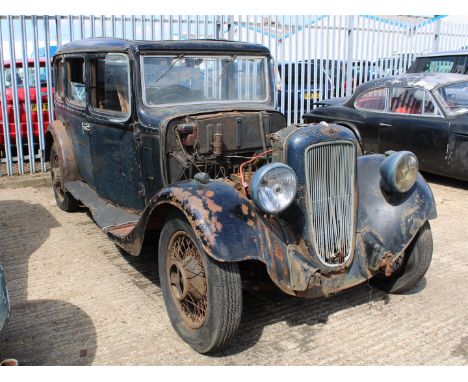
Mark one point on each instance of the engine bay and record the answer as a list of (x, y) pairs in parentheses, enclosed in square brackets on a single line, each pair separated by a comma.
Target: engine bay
[(229, 145)]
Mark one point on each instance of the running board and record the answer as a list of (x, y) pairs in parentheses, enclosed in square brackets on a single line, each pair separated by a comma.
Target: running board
[(110, 218)]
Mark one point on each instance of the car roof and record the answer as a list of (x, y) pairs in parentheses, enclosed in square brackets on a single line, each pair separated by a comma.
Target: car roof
[(107, 44), (428, 81), (445, 53)]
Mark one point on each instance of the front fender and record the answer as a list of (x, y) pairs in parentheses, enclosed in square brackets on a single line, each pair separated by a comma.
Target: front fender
[(231, 229), (227, 224), (392, 219)]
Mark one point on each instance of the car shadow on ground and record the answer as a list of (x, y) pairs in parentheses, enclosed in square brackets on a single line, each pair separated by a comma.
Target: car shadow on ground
[(444, 181), (42, 331), (264, 308)]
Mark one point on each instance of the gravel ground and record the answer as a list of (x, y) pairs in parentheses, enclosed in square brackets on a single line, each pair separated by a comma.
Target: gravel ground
[(78, 300)]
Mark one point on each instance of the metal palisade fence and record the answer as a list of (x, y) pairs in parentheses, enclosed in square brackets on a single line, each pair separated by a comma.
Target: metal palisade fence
[(317, 57)]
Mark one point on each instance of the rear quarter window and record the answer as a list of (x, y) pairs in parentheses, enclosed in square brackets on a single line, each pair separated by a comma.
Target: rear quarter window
[(372, 100), (462, 65)]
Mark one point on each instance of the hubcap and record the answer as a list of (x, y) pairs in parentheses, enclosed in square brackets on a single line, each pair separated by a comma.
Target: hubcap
[(187, 279)]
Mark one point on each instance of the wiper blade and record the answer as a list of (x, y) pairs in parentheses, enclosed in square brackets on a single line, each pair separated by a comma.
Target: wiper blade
[(226, 66), (170, 67)]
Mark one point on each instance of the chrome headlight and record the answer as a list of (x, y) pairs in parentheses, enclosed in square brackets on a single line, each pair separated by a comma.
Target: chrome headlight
[(400, 170), (273, 187)]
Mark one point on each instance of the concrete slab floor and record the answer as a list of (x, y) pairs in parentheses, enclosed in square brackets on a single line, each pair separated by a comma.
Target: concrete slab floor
[(78, 300)]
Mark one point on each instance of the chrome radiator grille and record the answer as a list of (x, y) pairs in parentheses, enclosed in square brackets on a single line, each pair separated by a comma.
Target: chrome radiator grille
[(330, 173)]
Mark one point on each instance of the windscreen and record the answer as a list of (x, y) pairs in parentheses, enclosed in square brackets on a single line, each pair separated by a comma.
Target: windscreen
[(209, 79), (440, 64), (454, 97)]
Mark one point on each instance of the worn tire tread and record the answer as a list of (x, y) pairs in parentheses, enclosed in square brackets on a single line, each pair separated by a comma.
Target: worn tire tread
[(225, 282), (231, 287)]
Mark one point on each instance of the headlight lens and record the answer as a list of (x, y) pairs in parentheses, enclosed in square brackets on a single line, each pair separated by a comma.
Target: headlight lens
[(273, 187), (400, 170)]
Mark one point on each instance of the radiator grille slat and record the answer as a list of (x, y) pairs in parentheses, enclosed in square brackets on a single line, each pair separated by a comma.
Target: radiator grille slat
[(330, 174)]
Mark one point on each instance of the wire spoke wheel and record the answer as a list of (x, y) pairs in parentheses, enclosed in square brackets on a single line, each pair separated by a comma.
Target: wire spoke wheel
[(203, 296), (187, 278), (57, 181)]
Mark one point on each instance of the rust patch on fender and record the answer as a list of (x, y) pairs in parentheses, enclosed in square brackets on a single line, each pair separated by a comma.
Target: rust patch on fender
[(245, 209), (278, 252), (207, 223), (212, 206)]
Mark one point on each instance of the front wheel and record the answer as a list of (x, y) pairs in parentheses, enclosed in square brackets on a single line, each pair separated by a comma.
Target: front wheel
[(410, 268), (203, 296)]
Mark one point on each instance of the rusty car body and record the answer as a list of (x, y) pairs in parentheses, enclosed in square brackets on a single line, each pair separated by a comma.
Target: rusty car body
[(194, 153), (425, 113)]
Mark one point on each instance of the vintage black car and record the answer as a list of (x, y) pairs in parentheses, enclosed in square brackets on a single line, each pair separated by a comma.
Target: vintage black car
[(181, 141), (426, 114)]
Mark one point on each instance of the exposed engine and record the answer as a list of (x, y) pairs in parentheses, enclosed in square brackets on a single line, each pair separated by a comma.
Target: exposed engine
[(227, 145)]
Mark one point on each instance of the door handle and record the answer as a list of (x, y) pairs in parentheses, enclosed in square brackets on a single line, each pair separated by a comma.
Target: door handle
[(385, 124), (85, 126)]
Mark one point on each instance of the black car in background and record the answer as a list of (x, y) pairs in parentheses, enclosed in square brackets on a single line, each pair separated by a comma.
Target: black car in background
[(441, 62), (306, 82), (426, 114)]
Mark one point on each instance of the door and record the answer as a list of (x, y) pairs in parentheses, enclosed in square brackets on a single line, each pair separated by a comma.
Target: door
[(370, 106), (415, 123), (112, 145), (75, 98)]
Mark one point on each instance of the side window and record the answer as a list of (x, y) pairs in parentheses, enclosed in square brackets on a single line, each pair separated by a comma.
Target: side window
[(75, 85), (430, 107), (462, 65), (406, 100), (110, 85), (412, 101), (371, 100), (59, 79)]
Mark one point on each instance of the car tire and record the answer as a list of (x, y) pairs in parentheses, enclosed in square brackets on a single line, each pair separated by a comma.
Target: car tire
[(414, 265), (64, 199), (203, 296)]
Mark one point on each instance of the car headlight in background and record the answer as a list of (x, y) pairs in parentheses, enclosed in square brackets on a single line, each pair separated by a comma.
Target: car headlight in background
[(399, 170), (273, 187)]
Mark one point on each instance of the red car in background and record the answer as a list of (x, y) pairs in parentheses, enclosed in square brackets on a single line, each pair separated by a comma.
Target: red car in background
[(21, 100)]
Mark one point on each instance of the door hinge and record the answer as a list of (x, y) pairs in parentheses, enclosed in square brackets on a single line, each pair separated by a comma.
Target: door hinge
[(141, 191)]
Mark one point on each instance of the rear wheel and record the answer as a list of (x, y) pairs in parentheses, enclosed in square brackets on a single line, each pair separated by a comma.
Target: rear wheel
[(63, 198), (410, 268), (203, 296)]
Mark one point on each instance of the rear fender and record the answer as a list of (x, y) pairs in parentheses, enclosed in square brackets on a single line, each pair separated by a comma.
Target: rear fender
[(58, 134)]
